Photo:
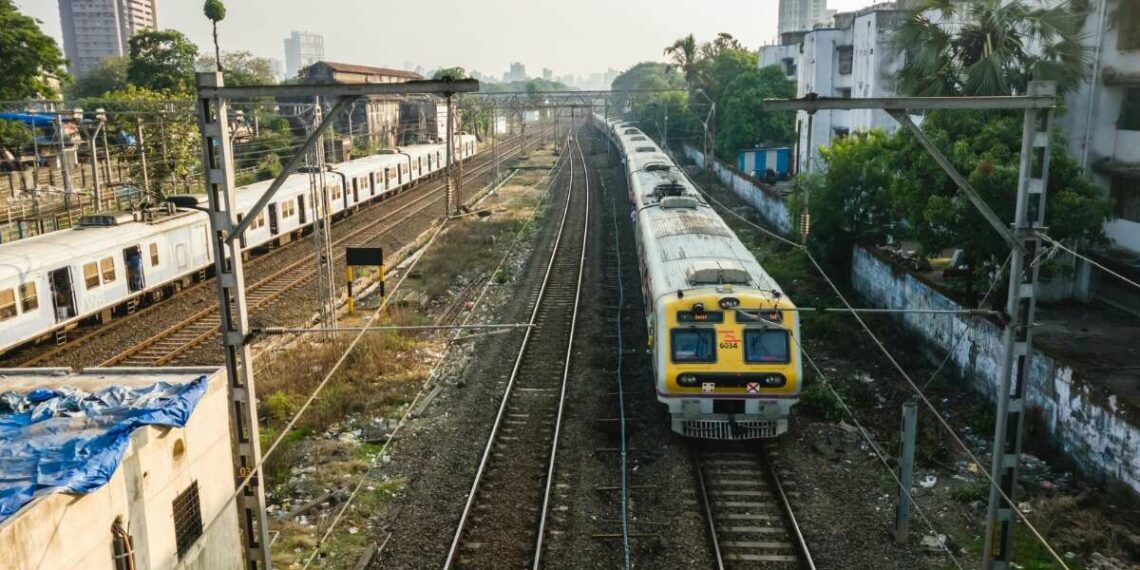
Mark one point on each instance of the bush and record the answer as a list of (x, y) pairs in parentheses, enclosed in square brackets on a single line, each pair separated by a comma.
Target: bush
[(817, 400), (279, 406)]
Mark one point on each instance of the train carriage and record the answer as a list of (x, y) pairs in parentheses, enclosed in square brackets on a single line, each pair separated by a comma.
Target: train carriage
[(724, 336)]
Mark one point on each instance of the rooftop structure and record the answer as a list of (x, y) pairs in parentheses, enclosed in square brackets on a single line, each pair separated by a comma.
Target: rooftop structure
[(135, 462)]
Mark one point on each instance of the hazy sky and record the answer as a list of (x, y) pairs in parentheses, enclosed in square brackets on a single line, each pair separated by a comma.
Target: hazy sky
[(575, 36)]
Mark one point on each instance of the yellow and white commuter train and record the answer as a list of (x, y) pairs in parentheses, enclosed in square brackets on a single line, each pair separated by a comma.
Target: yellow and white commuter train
[(724, 336)]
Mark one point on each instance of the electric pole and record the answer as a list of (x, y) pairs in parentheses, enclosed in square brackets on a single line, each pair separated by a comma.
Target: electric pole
[(1021, 305), (450, 160)]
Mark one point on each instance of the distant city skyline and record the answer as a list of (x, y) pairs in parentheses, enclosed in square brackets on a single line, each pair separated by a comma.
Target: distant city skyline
[(568, 42)]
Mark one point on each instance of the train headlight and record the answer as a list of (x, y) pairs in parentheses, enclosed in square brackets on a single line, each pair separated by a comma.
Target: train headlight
[(687, 380), (774, 380)]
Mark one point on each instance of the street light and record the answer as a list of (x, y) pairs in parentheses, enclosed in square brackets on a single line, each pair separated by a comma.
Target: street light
[(708, 138)]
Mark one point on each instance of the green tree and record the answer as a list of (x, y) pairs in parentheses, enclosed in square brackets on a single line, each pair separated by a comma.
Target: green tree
[(869, 197), (215, 11), (453, 73), (28, 57), (745, 123), (171, 139), (242, 68), (111, 75), (995, 48), (684, 53), (162, 61), (15, 137)]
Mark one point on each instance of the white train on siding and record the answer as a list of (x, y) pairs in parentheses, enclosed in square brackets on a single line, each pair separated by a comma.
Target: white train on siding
[(110, 261)]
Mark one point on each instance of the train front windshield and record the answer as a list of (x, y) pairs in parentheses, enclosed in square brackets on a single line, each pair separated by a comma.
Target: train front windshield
[(694, 345), (766, 346)]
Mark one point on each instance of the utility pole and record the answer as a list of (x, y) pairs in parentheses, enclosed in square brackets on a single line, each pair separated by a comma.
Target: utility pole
[(450, 172), (93, 142), (1021, 306), (65, 169), (906, 470), (322, 221), (495, 140), (142, 154), (217, 161)]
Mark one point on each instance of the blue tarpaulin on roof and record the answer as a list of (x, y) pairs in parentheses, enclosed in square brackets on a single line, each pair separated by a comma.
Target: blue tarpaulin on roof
[(68, 440)]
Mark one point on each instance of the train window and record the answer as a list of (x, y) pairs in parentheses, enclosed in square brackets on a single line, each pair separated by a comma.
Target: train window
[(694, 345), (107, 265), (154, 254), (29, 301), (91, 275), (288, 208), (7, 304), (764, 346)]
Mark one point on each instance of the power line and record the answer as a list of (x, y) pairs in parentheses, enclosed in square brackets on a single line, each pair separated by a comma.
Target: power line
[(1061, 246)]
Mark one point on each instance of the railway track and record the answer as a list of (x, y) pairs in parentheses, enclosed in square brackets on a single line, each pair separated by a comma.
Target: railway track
[(750, 521), (168, 345), (503, 520)]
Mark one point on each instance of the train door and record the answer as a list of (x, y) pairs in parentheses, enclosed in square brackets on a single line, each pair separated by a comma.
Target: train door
[(273, 219), (133, 261), (301, 212), (355, 190), (62, 294)]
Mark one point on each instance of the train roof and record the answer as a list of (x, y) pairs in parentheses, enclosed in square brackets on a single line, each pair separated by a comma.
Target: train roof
[(64, 246)]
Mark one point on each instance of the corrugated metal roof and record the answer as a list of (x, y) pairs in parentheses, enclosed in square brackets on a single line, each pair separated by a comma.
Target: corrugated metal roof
[(367, 70)]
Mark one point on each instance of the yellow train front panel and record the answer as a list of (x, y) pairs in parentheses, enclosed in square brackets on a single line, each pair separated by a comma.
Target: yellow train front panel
[(727, 361)]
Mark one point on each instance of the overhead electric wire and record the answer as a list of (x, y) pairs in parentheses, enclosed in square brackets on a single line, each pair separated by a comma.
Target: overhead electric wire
[(1098, 265)]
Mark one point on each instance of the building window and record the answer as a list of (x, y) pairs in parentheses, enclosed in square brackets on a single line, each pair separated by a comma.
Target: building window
[(843, 93), (1130, 110), (845, 54), (187, 519), (789, 66), (1126, 198), (29, 300)]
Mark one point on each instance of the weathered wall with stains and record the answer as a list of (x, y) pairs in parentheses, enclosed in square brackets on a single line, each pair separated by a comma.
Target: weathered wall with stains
[(767, 203)]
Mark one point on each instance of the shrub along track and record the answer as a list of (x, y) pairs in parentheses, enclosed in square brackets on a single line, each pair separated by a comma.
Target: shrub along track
[(173, 331)]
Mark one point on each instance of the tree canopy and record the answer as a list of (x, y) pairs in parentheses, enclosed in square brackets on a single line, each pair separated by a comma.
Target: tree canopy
[(28, 56), (995, 47), (162, 61), (744, 121), (111, 75), (880, 187), (242, 68)]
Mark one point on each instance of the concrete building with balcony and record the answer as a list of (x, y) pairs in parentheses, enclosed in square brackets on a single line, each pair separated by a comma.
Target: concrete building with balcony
[(96, 29), (117, 468)]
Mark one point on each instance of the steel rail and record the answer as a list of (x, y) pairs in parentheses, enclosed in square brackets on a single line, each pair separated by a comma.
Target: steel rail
[(484, 161), (789, 513), (380, 226), (566, 359), (484, 461)]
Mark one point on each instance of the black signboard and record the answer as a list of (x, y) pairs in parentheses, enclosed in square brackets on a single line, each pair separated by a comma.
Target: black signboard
[(364, 256), (701, 317), (759, 315)]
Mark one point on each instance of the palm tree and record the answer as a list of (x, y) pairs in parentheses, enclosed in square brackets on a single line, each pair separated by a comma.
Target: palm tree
[(216, 12), (684, 54), (990, 47)]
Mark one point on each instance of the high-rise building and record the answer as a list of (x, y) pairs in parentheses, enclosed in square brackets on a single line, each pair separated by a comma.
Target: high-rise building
[(517, 73), (95, 29), (302, 49), (801, 15)]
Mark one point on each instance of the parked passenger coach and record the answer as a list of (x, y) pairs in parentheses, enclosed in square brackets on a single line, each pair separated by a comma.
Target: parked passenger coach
[(724, 336), (114, 261)]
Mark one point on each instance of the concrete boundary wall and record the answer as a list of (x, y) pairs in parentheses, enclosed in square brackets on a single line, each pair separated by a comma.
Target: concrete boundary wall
[(768, 204), (1090, 426)]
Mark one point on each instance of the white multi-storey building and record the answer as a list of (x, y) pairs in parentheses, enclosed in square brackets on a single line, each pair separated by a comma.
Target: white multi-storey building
[(96, 29), (852, 58), (302, 49)]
